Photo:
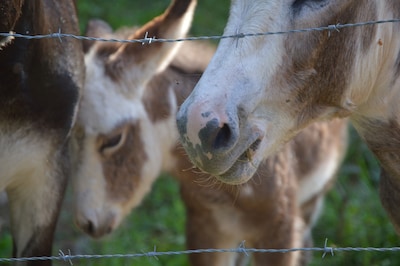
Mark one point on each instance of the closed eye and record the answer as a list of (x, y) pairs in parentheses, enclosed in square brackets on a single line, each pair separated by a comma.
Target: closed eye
[(111, 144), (314, 4)]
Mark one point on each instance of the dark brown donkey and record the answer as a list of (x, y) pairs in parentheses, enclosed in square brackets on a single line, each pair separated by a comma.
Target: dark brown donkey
[(40, 83)]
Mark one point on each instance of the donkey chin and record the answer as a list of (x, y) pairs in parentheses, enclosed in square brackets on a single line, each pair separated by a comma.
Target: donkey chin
[(237, 166), (240, 172)]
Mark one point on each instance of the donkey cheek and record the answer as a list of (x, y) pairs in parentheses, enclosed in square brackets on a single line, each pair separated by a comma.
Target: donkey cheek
[(123, 168), (121, 181)]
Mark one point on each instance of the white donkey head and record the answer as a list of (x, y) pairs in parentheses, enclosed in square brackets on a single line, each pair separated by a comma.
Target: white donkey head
[(258, 92), (111, 177)]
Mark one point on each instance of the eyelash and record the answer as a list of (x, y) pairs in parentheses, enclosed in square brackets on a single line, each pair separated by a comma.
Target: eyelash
[(298, 4), (110, 143)]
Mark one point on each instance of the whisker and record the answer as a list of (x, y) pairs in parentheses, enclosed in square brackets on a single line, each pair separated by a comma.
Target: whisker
[(188, 169)]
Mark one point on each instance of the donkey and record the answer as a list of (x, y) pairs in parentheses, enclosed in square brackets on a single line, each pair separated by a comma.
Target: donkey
[(258, 93), (126, 136), (110, 176), (40, 83)]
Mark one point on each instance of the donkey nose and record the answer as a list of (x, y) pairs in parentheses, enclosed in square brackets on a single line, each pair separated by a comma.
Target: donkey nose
[(93, 229), (207, 133)]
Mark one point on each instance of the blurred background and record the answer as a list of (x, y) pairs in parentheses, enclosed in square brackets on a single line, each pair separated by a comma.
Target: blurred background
[(352, 216)]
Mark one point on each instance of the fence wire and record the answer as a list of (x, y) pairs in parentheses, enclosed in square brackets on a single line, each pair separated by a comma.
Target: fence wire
[(154, 39), (326, 250)]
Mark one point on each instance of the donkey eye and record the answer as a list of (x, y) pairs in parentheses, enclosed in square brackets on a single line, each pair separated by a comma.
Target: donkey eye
[(298, 4), (111, 144)]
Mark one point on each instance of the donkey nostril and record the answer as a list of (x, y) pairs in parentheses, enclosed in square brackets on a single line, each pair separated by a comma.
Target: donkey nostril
[(223, 137), (90, 228), (218, 136), (109, 230)]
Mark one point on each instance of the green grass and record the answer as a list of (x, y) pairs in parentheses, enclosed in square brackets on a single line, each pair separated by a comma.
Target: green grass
[(209, 19), (352, 215)]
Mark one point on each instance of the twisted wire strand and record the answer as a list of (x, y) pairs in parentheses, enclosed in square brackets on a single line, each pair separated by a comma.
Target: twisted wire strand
[(325, 250), (149, 40)]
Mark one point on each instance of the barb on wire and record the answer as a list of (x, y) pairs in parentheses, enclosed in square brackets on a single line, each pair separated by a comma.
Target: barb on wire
[(327, 249), (57, 35), (237, 35), (152, 253), (65, 257), (147, 40), (242, 248)]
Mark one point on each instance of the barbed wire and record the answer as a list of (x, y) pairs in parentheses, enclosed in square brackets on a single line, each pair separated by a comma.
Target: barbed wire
[(154, 39), (241, 249)]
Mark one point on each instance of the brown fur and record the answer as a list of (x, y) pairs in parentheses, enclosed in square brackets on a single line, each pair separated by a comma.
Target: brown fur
[(159, 95), (271, 216), (173, 77), (123, 163), (40, 82), (384, 141), (10, 13), (320, 86), (156, 28), (327, 90)]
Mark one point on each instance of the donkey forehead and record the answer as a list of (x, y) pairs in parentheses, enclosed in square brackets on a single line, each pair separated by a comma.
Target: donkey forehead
[(98, 78), (98, 117), (103, 110)]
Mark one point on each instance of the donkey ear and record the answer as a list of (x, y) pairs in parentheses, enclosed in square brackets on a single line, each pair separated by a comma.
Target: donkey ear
[(96, 28), (155, 57)]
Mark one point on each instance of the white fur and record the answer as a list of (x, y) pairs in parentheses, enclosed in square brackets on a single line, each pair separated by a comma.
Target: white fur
[(314, 183), (28, 183), (372, 88), (102, 105), (231, 81)]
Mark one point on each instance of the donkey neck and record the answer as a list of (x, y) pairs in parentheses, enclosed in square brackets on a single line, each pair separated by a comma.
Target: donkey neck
[(383, 138), (380, 126), (377, 117)]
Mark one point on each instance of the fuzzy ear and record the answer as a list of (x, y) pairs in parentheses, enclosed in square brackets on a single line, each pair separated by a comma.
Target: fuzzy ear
[(155, 57), (96, 28)]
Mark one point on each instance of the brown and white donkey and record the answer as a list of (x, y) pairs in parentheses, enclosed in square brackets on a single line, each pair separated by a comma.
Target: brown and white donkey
[(257, 93), (126, 136)]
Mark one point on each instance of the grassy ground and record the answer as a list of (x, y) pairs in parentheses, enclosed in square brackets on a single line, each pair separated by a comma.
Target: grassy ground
[(353, 215)]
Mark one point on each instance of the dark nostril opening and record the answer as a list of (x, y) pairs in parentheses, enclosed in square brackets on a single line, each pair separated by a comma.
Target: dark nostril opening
[(109, 230), (90, 228), (223, 137)]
